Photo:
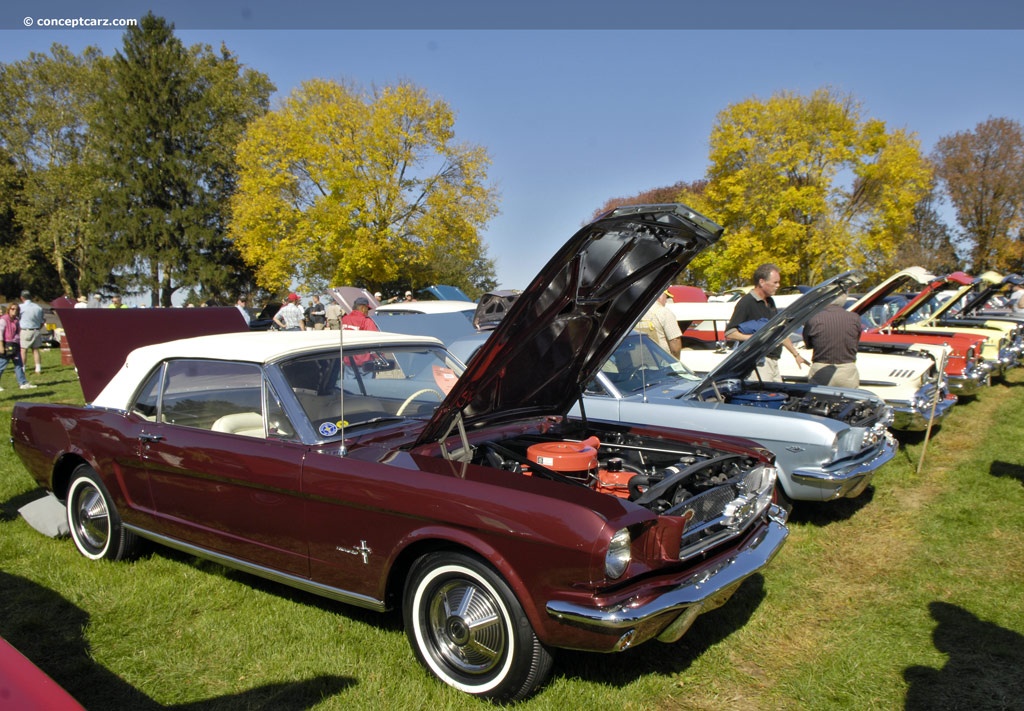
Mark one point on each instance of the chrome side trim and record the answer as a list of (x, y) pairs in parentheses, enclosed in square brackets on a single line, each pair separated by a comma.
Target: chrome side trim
[(304, 584)]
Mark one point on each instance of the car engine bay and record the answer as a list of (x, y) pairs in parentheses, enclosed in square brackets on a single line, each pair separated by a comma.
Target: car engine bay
[(717, 493)]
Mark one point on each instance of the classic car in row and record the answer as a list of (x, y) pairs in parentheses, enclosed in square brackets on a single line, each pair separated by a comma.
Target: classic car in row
[(945, 307), (369, 468), (989, 298), (828, 441), (890, 311), (907, 377)]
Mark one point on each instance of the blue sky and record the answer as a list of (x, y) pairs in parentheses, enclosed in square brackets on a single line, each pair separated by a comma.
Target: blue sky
[(572, 118)]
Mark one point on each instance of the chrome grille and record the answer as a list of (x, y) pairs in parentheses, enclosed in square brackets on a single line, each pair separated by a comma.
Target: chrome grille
[(723, 512), (706, 506)]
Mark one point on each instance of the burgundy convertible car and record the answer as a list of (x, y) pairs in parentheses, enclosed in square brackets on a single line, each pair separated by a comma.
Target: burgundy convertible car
[(371, 470)]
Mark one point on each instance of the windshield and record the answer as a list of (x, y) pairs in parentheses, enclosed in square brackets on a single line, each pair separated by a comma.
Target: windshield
[(926, 309), (639, 362), (881, 314), (375, 385)]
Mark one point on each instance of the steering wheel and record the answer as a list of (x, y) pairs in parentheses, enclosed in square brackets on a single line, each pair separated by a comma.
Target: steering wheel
[(416, 394)]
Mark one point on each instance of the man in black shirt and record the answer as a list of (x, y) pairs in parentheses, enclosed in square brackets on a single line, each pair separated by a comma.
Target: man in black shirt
[(316, 314), (753, 306)]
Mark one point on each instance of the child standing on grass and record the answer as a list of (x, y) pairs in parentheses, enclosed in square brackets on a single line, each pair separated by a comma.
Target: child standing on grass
[(11, 330)]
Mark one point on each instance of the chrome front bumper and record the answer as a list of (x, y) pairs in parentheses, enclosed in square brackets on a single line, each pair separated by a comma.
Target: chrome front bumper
[(970, 383), (845, 481), (668, 615), (912, 418)]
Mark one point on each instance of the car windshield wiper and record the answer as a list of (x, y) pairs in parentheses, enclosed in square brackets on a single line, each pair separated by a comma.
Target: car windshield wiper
[(650, 382), (377, 420)]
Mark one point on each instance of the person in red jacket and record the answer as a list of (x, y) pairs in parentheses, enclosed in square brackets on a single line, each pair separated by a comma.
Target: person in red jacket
[(359, 319)]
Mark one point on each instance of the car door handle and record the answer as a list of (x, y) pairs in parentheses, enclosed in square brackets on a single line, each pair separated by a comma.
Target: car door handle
[(150, 438)]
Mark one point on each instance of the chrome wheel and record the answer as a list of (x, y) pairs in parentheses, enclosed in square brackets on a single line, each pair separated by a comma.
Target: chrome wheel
[(95, 526), (93, 520), (467, 627)]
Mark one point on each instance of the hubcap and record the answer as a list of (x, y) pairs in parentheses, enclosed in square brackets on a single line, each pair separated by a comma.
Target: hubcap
[(93, 521), (467, 627)]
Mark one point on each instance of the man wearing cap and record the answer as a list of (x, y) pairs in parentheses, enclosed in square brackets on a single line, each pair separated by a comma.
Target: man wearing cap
[(660, 325), (359, 319), (289, 316), (31, 322)]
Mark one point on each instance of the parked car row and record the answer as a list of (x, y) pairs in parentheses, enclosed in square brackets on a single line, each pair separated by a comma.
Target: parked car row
[(540, 477)]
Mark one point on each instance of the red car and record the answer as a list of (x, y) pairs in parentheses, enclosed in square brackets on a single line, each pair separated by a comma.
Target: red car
[(365, 467), (886, 313), (26, 687)]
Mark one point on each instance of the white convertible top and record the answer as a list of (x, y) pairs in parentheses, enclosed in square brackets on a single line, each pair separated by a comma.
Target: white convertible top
[(247, 346)]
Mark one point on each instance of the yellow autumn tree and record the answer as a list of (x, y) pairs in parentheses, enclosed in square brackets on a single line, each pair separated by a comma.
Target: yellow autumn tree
[(343, 186), (807, 183)]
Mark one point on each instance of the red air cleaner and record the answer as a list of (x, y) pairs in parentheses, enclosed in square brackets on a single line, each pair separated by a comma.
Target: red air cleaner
[(577, 460)]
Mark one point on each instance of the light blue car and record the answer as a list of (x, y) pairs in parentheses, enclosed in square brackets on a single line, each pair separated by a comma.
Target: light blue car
[(828, 441)]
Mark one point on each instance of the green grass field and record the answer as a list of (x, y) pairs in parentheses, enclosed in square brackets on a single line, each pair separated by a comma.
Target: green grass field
[(909, 597)]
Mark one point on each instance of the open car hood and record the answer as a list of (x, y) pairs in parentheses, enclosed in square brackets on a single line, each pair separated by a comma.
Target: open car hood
[(744, 358), (920, 281), (990, 284), (567, 322), (950, 282), (345, 296), (910, 279), (101, 339)]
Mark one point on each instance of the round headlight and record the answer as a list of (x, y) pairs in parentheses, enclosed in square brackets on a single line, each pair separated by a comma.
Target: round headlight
[(619, 553)]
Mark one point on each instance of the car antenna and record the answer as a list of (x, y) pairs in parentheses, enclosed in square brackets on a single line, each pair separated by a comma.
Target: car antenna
[(341, 387), (643, 369)]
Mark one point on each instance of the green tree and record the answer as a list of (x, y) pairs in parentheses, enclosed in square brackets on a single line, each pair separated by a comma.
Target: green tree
[(807, 183), (982, 172), (170, 122), (45, 102), (347, 187), (932, 244)]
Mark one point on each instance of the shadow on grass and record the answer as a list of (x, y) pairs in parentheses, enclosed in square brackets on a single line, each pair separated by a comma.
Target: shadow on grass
[(47, 629), (1007, 470), (654, 657), (823, 513), (9, 508), (983, 670), (910, 439)]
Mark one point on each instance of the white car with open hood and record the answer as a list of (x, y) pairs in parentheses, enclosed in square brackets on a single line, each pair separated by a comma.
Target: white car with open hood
[(910, 381)]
